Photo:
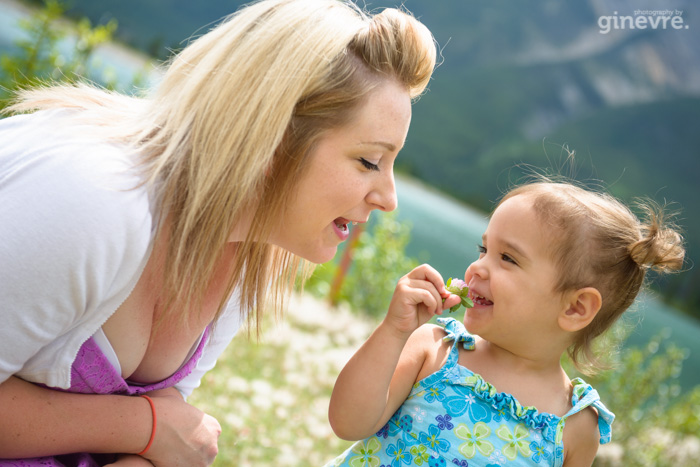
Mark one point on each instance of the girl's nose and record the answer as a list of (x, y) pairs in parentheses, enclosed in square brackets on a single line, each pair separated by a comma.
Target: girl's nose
[(476, 269)]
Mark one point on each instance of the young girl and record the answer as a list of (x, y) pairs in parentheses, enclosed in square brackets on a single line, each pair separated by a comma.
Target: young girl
[(557, 267)]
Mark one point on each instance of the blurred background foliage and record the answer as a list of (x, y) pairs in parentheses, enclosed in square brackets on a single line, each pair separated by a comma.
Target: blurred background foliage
[(38, 57), (377, 259), (657, 422)]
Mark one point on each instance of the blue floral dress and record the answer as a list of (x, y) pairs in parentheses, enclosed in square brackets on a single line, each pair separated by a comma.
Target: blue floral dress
[(455, 418)]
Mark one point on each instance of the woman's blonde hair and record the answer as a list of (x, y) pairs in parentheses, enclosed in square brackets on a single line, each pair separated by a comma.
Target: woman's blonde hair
[(231, 124), (599, 242)]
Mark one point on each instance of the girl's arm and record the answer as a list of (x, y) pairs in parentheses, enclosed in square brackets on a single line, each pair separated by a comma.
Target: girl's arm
[(36, 421), (378, 378), (581, 439)]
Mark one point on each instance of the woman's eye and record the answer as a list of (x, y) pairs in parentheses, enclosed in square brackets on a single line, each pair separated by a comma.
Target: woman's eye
[(369, 165)]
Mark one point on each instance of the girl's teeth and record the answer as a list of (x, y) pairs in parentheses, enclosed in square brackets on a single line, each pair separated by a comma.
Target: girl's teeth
[(478, 299), (483, 301)]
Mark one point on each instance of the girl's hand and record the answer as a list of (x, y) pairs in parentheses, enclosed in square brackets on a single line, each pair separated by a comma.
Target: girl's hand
[(418, 296), (185, 436)]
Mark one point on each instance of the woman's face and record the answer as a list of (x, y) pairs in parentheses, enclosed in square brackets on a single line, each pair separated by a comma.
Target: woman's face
[(350, 173)]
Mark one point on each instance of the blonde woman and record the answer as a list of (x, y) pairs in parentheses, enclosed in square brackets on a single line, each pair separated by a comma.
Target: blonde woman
[(139, 233)]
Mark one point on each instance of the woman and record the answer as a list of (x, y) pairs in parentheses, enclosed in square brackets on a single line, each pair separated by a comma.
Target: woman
[(139, 233)]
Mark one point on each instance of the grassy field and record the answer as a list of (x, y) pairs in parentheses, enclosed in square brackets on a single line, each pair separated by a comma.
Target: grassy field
[(271, 396)]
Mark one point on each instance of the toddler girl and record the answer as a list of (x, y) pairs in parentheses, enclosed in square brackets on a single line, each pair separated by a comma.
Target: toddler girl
[(558, 265)]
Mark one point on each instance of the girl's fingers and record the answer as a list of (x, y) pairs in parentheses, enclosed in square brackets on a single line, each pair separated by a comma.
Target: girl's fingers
[(429, 295), (425, 276), (423, 290), (428, 273), (450, 301)]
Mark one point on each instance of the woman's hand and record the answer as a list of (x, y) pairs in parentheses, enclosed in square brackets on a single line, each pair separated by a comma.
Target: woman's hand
[(418, 296), (130, 460), (185, 436)]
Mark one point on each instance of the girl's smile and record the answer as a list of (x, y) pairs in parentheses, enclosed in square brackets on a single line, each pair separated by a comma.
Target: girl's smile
[(479, 300), (512, 282)]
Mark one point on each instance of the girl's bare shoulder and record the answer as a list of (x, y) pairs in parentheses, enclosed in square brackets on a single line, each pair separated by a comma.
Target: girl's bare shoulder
[(430, 339), (581, 438)]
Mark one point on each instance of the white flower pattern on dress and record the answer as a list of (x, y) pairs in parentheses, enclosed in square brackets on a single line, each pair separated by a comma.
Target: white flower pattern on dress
[(453, 417)]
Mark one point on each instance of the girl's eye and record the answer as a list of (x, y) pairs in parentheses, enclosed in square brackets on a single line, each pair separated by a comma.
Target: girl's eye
[(508, 259), (369, 165), (481, 249)]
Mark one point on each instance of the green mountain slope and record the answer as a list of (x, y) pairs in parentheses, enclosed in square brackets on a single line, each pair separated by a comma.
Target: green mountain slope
[(519, 80)]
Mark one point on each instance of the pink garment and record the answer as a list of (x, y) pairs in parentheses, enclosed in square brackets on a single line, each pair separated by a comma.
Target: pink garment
[(92, 373)]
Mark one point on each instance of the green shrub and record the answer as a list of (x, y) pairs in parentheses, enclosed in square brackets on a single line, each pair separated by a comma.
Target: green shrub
[(655, 423), (39, 57), (378, 262)]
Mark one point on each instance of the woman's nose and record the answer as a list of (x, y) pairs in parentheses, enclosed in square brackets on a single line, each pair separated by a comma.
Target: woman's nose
[(383, 194)]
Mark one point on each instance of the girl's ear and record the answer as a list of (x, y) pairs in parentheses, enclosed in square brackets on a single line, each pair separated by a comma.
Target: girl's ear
[(583, 306)]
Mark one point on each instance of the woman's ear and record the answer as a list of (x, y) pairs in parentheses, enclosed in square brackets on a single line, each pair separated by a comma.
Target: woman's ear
[(583, 306)]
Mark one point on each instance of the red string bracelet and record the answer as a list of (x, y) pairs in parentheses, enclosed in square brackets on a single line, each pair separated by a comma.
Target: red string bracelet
[(153, 430)]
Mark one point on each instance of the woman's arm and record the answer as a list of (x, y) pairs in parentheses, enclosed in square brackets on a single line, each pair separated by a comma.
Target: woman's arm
[(130, 460), (36, 422), (378, 378)]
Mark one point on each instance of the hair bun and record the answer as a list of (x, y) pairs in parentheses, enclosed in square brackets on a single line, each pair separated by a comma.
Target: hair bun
[(397, 44), (661, 246)]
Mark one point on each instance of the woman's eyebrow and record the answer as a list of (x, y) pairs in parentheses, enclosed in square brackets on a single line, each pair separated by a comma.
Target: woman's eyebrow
[(391, 147)]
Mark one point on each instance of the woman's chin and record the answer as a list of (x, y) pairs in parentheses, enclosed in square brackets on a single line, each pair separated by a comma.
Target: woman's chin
[(320, 256)]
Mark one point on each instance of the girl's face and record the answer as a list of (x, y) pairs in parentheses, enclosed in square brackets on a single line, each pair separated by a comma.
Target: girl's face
[(350, 173), (512, 282)]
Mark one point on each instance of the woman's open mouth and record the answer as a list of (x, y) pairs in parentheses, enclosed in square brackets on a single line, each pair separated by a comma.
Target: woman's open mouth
[(341, 228)]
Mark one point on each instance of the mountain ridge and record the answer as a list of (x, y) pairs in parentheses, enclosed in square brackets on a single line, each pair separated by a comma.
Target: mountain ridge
[(519, 83)]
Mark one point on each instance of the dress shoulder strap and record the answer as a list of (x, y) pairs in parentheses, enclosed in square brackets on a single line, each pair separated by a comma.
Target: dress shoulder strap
[(583, 395), (456, 332)]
